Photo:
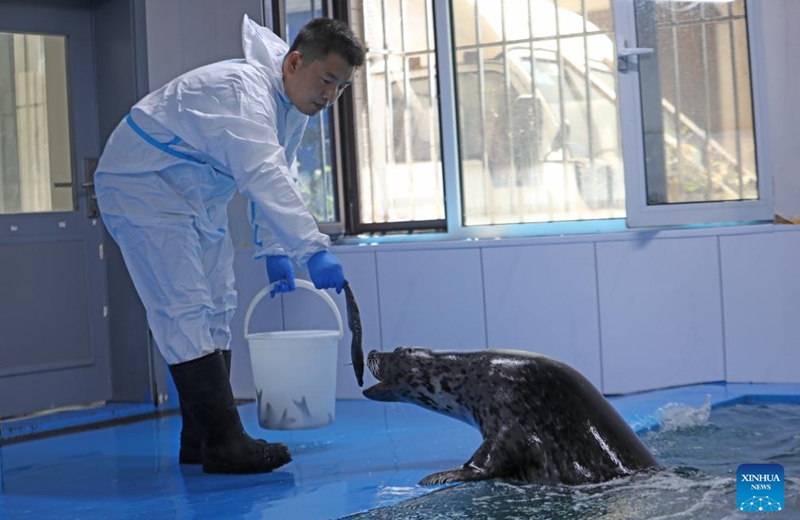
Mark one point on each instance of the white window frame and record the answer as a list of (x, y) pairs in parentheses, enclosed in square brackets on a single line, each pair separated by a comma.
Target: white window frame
[(638, 212), (451, 165)]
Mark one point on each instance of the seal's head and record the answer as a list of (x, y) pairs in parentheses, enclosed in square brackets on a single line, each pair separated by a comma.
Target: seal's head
[(428, 378), (397, 372)]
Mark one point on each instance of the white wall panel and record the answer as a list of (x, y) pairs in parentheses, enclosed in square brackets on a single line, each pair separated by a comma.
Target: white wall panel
[(431, 299), (761, 291), (661, 315), (186, 34), (660, 305), (302, 311), (544, 299)]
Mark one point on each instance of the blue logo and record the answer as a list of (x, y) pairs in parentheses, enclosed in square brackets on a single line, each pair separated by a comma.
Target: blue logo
[(759, 487)]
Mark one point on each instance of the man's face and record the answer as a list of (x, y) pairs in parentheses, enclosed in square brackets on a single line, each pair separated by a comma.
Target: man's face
[(315, 85)]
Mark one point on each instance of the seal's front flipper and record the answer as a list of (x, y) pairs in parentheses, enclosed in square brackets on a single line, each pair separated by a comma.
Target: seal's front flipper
[(483, 465), (463, 474)]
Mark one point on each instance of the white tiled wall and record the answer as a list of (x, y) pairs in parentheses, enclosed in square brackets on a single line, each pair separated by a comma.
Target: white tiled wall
[(629, 314), (761, 285), (186, 34), (432, 298), (544, 299), (661, 313)]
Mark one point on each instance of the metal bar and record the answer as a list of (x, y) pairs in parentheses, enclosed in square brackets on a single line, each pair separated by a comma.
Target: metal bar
[(536, 170), (451, 164), (561, 111), (521, 41), (347, 152), (434, 137), (487, 181), (409, 159), (513, 188), (408, 225), (389, 124), (279, 18), (736, 114), (588, 87), (372, 154), (689, 23), (677, 116), (707, 106)]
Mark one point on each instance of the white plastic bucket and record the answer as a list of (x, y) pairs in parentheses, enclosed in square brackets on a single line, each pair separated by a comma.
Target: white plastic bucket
[(294, 371)]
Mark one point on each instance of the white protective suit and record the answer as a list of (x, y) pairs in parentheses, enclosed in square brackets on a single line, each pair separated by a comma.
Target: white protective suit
[(168, 172)]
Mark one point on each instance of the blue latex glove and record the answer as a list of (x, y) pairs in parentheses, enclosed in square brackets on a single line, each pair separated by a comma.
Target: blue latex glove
[(326, 271), (281, 270)]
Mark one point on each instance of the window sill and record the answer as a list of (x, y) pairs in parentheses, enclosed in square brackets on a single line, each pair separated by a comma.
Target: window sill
[(599, 231)]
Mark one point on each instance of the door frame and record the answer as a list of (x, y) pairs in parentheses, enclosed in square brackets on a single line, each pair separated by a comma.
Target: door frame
[(111, 57)]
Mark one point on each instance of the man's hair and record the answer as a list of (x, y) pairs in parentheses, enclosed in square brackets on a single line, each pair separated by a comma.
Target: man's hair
[(321, 36)]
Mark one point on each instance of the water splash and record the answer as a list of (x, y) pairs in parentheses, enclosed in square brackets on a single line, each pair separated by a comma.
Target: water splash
[(677, 416)]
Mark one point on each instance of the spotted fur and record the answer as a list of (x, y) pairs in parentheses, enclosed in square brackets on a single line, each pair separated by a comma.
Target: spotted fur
[(541, 420)]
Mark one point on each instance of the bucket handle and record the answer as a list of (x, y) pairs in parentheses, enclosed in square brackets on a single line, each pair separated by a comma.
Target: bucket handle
[(305, 284)]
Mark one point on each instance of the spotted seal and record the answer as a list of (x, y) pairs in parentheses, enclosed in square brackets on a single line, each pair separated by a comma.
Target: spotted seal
[(541, 420)]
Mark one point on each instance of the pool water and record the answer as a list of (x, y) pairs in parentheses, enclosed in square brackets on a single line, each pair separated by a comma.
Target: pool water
[(700, 450)]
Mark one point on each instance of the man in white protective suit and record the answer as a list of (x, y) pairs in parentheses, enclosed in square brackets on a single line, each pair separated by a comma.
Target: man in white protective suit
[(163, 185)]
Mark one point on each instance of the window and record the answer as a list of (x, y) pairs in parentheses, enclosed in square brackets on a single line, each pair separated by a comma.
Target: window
[(537, 105), (697, 111), (317, 171), (400, 173), (35, 153), (490, 118), (533, 112), (706, 149)]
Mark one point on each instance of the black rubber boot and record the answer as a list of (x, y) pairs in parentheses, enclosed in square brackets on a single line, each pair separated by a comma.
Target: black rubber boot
[(189, 452), (190, 438), (205, 393)]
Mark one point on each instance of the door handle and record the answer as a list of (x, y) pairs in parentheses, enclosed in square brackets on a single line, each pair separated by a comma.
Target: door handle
[(69, 185), (90, 165)]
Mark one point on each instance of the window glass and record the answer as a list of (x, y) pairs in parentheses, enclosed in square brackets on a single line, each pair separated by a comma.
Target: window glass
[(538, 113), (696, 102), (315, 162), (35, 148), (397, 104)]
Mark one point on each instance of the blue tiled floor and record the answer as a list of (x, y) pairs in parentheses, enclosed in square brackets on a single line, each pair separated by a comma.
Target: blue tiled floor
[(372, 456)]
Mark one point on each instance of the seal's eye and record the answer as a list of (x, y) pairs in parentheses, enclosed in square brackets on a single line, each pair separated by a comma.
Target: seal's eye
[(411, 351)]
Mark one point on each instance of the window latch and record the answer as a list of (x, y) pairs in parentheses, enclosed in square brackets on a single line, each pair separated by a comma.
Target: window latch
[(624, 53)]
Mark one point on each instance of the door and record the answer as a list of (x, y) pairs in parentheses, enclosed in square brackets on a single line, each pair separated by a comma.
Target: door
[(53, 326)]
